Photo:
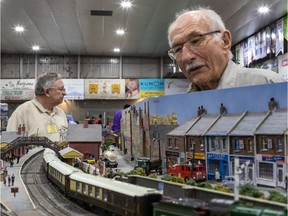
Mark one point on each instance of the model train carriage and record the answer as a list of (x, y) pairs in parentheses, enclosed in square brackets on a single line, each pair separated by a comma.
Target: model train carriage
[(113, 195), (48, 156), (59, 172)]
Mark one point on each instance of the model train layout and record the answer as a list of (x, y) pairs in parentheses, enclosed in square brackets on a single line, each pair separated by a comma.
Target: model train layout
[(127, 199)]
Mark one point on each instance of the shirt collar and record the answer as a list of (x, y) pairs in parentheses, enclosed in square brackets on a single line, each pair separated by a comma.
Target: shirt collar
[(228, 79), (42, 109)]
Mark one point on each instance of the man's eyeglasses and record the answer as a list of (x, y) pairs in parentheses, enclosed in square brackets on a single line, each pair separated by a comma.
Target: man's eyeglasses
[(191, 43), (61, 89)]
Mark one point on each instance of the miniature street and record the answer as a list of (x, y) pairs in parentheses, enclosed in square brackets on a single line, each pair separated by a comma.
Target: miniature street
[(126, 165)]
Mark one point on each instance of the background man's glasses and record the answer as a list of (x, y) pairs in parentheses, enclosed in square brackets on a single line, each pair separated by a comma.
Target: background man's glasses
[(61, 89)]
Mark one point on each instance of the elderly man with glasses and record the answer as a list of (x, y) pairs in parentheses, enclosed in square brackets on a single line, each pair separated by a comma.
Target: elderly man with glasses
[(200, 45), (41, 116)]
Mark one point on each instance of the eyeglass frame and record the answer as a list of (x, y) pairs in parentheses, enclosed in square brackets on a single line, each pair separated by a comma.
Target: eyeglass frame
[(61, 89), (171, 53)]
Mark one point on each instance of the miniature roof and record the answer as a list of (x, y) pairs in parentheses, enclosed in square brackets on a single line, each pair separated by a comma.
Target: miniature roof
[(276, 123), (201, 127), (70, 153), (224, 125), (248, 124), (77, 133), (182, 129)]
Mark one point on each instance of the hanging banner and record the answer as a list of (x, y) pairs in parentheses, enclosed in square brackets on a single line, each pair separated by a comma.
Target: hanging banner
[(151, 87), (17, 89), (105, 89), (74, 89)]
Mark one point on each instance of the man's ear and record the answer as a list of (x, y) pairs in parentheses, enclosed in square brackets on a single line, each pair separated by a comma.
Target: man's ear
[(47, 93), (227, 39)]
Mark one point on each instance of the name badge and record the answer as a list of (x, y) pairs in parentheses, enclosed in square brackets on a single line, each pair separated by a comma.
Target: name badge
[(52, 128)]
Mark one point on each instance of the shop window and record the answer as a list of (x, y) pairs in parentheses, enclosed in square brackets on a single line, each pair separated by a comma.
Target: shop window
[(266, 170), (214, 164), (279, 145)]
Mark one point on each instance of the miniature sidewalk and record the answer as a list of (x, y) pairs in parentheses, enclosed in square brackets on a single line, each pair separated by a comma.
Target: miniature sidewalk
[(18, 203)]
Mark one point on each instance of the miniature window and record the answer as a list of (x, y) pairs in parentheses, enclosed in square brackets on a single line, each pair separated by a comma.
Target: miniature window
[(241, 144), (237, 145), (264, 145), (175, 144), (279, 145), (269, 143), (250, 145), (224, 144), (212, 144), (192, 143), (77, 186), (97, 192), (90, 190), (84, 188), (216, 144), (169, 143), (105, 196)]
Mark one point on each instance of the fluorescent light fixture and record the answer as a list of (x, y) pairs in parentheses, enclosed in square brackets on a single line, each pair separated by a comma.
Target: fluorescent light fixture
[(35, 48), (126, 4), (263, 9), (19, 28), (120, 32), (116, 50)]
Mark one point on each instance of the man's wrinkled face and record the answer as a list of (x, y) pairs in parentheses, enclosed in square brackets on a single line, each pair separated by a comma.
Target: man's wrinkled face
[(202, 59)]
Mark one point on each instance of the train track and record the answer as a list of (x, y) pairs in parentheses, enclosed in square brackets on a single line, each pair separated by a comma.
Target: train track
[(47, 199)]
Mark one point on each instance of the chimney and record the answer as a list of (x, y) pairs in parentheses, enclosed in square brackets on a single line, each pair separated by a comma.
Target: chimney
[(202, 110), (222, 109), (198, 112), (19, 129), (86, 121), (272, 104), (23, 129)]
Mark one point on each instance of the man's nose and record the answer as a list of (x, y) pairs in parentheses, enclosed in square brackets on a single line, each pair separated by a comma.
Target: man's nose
[(187, 53)]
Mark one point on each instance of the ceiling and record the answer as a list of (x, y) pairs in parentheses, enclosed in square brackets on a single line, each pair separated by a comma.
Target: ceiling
[(67, 27)]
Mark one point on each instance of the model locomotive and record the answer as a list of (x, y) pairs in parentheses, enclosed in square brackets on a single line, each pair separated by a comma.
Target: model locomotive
[(127, 199)]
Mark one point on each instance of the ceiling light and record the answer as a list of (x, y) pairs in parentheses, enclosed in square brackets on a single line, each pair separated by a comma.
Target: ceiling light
[(263, 9), (126, 4), (117, 50), (120, 32), (35, 48), (19, 28)]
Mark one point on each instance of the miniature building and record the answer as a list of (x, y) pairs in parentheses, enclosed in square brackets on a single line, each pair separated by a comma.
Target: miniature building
[(85, 139), (176, 141), (271, 144)]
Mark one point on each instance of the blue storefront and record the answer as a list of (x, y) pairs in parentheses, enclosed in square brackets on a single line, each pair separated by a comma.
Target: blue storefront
[(217, 161)]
